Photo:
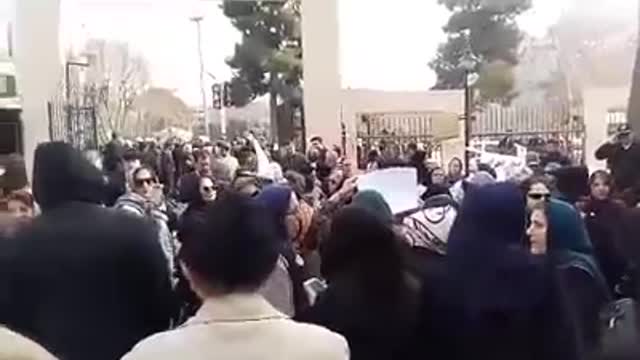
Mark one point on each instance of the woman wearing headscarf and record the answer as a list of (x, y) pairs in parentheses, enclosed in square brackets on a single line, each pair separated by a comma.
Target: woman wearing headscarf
[(558, 232), (500, 301), (284, 289), (369, 298), (604, 218)]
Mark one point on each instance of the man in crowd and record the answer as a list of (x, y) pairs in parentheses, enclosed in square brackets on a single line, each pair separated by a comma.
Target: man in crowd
[(553, 154), (622, 154), (85, 281), (188, 183)]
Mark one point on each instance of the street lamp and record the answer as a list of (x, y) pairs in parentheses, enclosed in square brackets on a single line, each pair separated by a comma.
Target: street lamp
[(198, 20), (468, 64)]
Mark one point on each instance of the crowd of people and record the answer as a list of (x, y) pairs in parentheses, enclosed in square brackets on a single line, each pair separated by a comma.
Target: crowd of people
[(196, 250)]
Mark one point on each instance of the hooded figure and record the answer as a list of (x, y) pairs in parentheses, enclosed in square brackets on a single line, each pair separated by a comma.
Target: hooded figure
[(100, 284), (501, 302)]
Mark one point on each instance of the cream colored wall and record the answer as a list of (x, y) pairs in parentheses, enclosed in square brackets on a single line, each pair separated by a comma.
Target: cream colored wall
[(357, 101), (38, 65), (597, 102)]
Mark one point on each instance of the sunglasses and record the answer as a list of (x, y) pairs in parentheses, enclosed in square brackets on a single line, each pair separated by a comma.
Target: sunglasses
[(208, 189), (539, 196), (142, 182)]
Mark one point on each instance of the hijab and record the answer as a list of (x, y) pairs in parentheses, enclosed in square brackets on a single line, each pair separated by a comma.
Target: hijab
[(569, 240), (276, 200), (373, 202), (489, 266)]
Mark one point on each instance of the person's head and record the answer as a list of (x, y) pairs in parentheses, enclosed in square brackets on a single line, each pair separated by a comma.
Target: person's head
[(234, 251), (316, 142), (455, 168), (334, 181), (484, 253), (438, 177), (62, 174), (625, 135), (144, 180), (203, 162), (600, 184), (280, 202), (187, 148), (538, 229), (20, 204), (537, 191), (361, 244), (208, 189), (223, 148), (552, 146), (412, 148), (375, 203)]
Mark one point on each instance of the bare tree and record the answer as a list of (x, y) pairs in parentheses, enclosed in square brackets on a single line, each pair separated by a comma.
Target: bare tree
[(115, 78)]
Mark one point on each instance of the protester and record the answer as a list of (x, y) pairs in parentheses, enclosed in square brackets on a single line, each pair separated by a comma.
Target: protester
[(284, 288), (145, 200), (233, 254), (168, 168), (557, 230), (230, 162), (537, 190), (369, 298), (16, 347), (188, 183), (622, 154), (572, 183), (455, 171), (605, 220), (553, 154), (100, 283), (498, 301)]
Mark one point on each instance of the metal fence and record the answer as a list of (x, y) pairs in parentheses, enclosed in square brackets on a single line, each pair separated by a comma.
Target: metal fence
[(76, 124), (394, 131), (532, 127)]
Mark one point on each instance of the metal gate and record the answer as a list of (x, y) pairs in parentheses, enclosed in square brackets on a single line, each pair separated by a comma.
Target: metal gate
[(394, 131), (74, 123), (497, 129)]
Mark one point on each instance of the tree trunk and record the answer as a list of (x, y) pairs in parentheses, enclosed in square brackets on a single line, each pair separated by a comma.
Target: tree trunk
[(633, 111)]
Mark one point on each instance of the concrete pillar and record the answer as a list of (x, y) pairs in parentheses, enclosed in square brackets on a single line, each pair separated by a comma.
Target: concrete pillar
[(322, 81), (37, 58)]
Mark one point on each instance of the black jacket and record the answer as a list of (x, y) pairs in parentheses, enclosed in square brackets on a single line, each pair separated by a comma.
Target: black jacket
[(376, 329), (624, 164), (83, 280), (546, 331)]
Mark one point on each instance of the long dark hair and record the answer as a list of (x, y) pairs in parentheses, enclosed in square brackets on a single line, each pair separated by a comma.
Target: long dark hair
[(364, 249)]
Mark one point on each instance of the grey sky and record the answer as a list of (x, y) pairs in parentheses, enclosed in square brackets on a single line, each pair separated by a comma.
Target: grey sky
[(384, 44)]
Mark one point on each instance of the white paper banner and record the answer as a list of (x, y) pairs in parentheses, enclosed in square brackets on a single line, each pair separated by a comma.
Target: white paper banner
[(396, 185)]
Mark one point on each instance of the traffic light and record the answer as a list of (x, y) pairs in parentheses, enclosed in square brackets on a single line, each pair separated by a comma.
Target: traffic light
[(216, 89), (226, 94)]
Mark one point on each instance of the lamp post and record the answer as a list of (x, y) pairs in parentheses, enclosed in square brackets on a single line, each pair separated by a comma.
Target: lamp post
[(468, 64), (198, 20)]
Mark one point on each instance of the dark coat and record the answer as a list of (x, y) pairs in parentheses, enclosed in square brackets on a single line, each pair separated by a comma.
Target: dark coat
[(499, 301), (376, 329), (85, 281), (624, 164), (605, 224)]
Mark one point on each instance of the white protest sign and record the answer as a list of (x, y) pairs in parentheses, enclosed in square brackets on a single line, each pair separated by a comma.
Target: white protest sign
[(396, 185)]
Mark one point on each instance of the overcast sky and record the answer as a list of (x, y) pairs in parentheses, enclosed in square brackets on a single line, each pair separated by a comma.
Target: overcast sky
[(384, 44)]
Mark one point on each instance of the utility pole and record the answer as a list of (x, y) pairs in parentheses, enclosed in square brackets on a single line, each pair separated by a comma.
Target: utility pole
[(198, 20)]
